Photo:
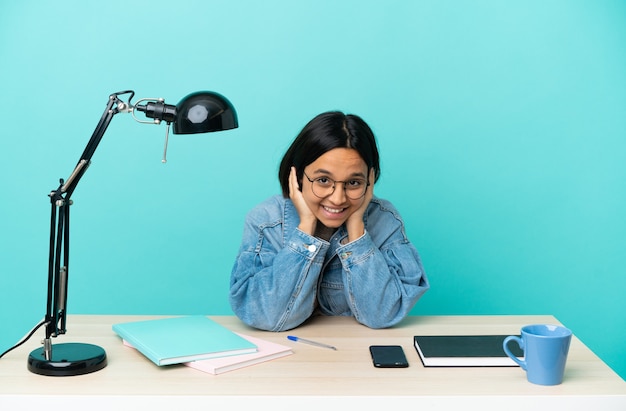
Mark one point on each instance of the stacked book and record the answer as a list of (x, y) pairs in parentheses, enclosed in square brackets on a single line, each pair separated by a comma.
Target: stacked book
[(198, 342)]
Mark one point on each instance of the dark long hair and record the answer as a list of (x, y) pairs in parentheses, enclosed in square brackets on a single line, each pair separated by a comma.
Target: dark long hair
[(323, 133)]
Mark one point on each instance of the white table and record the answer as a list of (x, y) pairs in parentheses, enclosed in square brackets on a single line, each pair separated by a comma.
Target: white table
[(311, 378)]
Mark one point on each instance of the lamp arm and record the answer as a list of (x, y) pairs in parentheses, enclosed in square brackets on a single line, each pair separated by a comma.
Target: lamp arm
[(55, 318), (114, 106)]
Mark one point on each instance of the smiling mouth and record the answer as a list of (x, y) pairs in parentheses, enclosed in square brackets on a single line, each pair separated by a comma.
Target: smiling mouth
[(333, 210)]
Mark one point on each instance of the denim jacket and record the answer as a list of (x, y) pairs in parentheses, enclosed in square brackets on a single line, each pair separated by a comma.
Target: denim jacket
[(282, 276)]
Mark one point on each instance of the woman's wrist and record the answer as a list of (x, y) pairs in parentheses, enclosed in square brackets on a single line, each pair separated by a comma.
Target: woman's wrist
[(355, 229), (307, 226)]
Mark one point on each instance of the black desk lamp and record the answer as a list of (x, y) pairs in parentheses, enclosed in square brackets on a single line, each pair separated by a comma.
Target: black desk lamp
[(199, 112)]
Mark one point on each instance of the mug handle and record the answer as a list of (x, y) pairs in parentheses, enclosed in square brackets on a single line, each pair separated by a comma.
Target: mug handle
[(508, 352)]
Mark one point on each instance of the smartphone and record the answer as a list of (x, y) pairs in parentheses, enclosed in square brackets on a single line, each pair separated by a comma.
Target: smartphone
[(388, 356)]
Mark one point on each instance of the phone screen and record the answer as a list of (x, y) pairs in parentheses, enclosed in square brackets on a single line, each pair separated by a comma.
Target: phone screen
[(388, 356)]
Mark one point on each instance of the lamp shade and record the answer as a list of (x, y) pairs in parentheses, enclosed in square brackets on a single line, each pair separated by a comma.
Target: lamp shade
[(202, 112)]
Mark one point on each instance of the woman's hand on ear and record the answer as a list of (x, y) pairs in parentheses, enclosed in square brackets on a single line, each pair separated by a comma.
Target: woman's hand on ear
[(355, 224), (308, 221)]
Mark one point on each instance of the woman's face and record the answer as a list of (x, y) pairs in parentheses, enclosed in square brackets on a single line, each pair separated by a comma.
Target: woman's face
[(339, 164)]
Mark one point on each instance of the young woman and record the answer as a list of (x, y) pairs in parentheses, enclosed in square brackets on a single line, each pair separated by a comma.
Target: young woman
[(327, 245)]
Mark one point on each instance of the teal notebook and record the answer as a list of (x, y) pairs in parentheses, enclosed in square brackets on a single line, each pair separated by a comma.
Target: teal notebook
[(182, 339)]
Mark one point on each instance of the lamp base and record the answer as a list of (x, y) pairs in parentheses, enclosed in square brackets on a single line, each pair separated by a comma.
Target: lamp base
[(68, 359)]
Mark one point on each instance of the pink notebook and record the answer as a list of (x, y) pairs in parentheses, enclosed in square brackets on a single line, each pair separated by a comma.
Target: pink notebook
[(266, 351)]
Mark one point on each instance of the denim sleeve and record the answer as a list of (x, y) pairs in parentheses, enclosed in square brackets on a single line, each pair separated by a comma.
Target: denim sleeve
[(383, 282), (273, 282)]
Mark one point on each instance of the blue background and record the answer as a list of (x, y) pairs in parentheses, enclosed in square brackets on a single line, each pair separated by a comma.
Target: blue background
[(502, 129)]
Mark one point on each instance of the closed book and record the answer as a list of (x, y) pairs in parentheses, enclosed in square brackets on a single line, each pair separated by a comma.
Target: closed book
[(267, 351), (464, 351), (182, 339)]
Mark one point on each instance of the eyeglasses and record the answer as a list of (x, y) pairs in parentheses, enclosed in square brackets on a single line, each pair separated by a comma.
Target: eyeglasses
[(323, 187)]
